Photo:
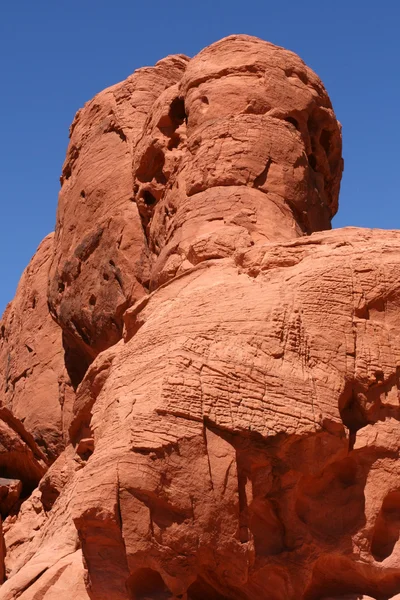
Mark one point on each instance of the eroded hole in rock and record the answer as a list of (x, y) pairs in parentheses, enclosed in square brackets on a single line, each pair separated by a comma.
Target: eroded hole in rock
[(293, 121), (75, 360), (145, 584), (387, 527), (83, 194), (204, 100), (81, 331), (92, 300), (148, 198), (351, 412), (177, 111), (169, 123)]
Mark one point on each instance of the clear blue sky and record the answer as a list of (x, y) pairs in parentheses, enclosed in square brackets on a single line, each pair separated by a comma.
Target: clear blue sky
[(56, 54)]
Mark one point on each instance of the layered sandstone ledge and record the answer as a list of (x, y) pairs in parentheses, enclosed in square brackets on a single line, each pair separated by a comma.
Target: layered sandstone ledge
[(200, 382)]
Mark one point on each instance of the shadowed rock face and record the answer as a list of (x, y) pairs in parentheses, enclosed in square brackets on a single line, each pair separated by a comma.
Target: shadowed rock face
[(235, 428)]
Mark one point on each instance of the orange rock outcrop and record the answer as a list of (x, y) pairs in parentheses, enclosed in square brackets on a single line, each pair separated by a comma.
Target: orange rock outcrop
[(200, 393)]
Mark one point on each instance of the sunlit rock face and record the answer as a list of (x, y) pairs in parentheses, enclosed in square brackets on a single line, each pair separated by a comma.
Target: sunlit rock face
[(231, 430)]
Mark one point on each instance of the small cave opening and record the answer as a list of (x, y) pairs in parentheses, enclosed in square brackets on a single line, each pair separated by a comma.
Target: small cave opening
[(177, 111), (148, 198), (147, 583), (293, 121), (176, 116), (351, 412)]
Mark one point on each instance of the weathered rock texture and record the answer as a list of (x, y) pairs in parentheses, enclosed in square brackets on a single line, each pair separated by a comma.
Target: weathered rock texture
[(234, 429), (36, 395)]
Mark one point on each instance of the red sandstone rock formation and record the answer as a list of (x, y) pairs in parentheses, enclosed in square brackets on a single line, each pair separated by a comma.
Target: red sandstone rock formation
[(234, 434)]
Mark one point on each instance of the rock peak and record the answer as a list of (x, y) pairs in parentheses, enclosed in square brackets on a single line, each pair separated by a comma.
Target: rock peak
[(200, 392)]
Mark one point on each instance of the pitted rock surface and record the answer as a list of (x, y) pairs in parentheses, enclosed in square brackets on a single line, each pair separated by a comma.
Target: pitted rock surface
[(232, 424)]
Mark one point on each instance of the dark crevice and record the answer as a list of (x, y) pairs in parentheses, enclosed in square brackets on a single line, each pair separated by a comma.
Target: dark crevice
[(293, 121), (81, 332), (177, 112), (312, 161), (352, 413), (262, 177), (244, 534), (148, 198), (30, 582), (75, 361), (325, 140)]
